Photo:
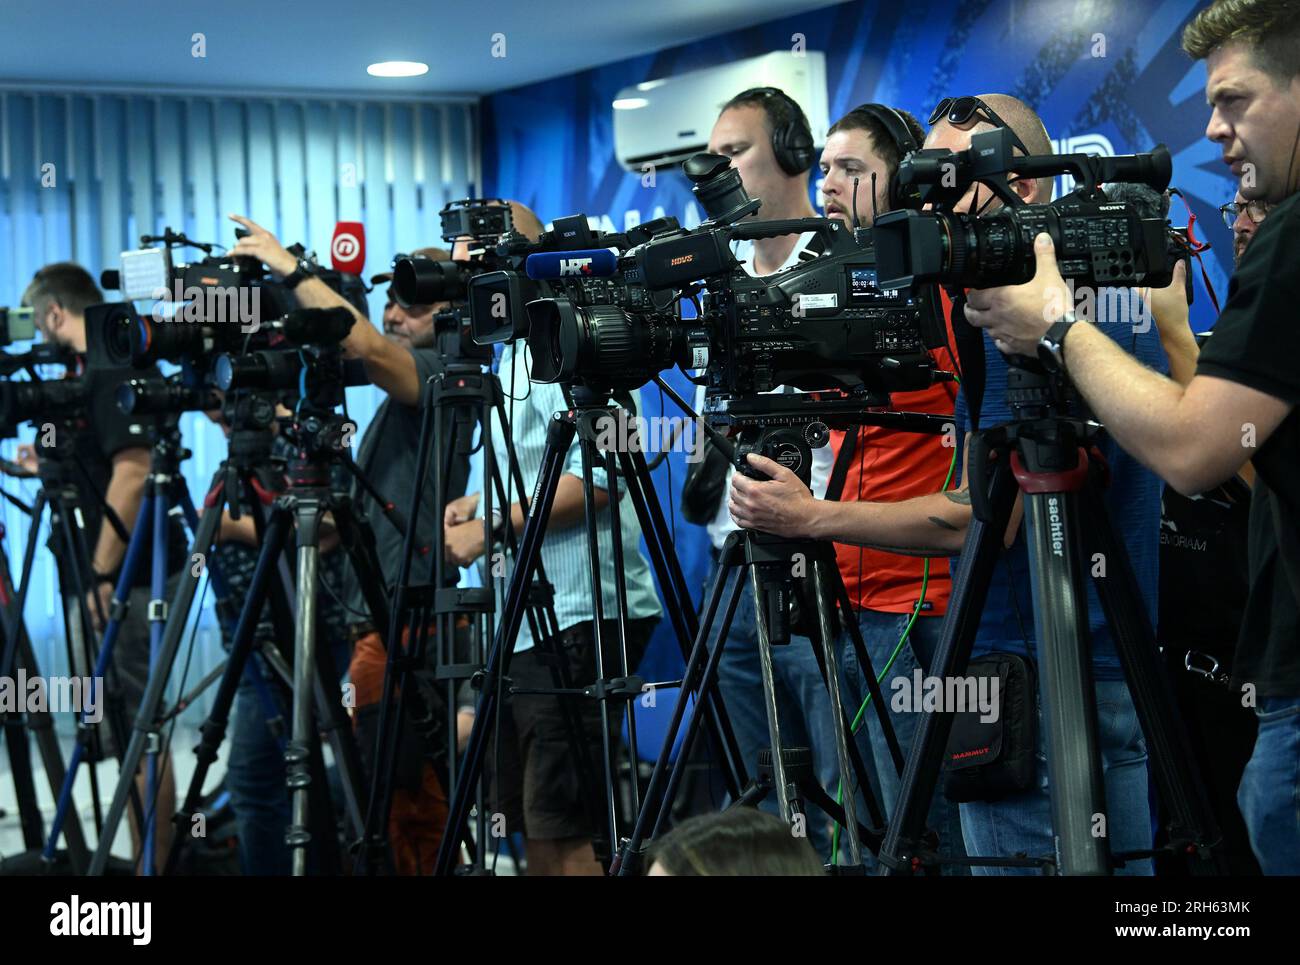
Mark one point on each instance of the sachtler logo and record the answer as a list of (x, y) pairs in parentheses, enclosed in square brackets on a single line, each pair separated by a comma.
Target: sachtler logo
[(575, 266), (75, 918), (1056, 525)]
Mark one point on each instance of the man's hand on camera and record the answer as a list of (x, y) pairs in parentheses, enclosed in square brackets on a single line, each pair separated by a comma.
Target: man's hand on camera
[(780, 505), (264, 246), (1168, 305), (1017, 316), (464, 542), (460, 510)]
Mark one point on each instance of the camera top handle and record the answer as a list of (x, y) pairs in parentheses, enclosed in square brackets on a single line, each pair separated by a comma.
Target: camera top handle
[(945, 176)]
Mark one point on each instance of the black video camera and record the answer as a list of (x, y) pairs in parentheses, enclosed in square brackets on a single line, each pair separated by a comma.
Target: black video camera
[(225, 304), (568, 284), (44, 400), (1099, 242), (826, 324)]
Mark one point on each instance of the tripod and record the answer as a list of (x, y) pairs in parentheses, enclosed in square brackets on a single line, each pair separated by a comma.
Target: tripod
[(318, 434), (1051, 459), (41, 724), (782, 428), (460, 399), (59, 493), (165, 490), (587, 420)]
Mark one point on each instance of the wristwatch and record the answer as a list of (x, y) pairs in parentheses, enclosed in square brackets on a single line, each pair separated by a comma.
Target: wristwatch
[(1051, 347), (301, 273)]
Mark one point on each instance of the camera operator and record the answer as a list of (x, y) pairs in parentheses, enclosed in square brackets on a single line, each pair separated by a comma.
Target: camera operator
[(1242, 400), (110, 455), (768, 139), (530, 765), (936, 525), (401, 367), (900, 599)]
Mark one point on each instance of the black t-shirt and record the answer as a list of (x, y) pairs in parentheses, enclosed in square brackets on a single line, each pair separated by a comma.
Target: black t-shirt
[(1256, 342), (387, 458), (105, 432)]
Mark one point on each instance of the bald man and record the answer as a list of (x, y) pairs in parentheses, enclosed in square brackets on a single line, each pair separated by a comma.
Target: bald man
[(935, 525)]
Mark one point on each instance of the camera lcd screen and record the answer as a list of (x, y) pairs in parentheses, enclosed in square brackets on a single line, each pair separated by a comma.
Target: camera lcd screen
[(864, 289), (145, 274)]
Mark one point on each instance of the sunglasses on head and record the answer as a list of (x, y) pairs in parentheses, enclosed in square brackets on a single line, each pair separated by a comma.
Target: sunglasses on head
[(961, 111)]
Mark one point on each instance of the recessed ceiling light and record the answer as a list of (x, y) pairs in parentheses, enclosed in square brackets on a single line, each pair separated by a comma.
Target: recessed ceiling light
[(629, 103), (397, 68)]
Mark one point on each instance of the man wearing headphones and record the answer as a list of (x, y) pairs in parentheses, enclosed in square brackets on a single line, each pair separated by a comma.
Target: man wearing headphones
[(900, 599), (770, 142)]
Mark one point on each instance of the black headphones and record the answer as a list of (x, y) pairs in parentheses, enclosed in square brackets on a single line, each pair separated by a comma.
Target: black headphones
[(896, 128), (792, 142)]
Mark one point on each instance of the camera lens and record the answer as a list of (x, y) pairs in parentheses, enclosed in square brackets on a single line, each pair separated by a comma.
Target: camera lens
[(423, 281)]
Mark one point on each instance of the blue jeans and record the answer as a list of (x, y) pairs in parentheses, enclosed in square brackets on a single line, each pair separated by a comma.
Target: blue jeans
[(1023, 823), (1269, 794), (803, 706), (881, 632), (255, 780)]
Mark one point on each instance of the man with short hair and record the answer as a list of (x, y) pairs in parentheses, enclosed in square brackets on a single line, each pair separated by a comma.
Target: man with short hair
[(936, 524), (900, 599), (1242, 400), (770, 143), (1244, 218)]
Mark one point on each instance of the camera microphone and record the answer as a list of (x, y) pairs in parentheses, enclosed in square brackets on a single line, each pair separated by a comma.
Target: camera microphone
[(591, 263)]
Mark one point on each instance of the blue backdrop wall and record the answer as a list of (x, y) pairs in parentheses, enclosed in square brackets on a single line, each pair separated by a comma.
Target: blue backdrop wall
[(1097, 72)]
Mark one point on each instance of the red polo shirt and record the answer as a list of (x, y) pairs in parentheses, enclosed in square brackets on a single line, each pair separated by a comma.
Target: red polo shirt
[(889, 466)]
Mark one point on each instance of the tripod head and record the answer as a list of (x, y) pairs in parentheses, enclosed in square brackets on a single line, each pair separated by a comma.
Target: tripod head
[(1044, 439)]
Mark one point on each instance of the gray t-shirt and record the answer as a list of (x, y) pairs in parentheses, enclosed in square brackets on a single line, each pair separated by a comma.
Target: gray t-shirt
[(387, 457)]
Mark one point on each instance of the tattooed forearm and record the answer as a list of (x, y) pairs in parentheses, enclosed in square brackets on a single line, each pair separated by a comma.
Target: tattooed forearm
[(959, 496), (944, 524)]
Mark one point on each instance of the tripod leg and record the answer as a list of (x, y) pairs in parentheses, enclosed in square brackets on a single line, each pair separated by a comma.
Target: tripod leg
[(1069, 701), (153, 697), (657, 806), (559, 436), (681, 611), (786, 796), (1177, 776), (589, 455), (970, 586), (297, 755), (832, 668), (213, 730)]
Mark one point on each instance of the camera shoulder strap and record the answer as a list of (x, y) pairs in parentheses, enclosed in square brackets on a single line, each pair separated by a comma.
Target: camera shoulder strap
[(843, 459)]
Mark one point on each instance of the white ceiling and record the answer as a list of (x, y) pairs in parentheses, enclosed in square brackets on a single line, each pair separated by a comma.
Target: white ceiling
[(324, 46)]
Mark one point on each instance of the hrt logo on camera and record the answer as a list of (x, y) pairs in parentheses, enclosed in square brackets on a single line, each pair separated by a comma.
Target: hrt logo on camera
[(575, 266)]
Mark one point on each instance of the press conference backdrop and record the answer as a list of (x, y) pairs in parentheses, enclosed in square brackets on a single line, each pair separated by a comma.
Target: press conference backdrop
[(1107, 76), (83, 176)]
